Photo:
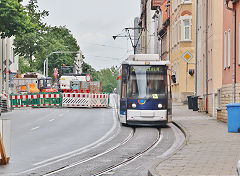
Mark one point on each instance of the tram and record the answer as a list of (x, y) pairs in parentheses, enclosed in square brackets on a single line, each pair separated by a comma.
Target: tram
[(144, 94)]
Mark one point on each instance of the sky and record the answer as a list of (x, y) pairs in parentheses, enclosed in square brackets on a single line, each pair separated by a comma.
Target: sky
[(93, 23)]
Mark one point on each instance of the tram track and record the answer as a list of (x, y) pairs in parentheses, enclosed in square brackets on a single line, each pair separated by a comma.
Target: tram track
[(96, 156), (130, 158), (112, 153)]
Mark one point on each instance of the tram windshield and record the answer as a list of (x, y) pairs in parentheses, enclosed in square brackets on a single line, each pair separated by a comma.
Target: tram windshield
[(147, 82)]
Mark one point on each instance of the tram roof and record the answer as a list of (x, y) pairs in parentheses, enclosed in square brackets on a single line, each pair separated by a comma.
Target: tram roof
[(145, 59)]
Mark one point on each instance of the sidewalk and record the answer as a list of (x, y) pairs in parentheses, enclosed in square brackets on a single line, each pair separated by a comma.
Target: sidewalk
[(209, 148)]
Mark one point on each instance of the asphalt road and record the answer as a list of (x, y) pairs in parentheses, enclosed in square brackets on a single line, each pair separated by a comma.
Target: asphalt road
[(69, 141), (42, 135)]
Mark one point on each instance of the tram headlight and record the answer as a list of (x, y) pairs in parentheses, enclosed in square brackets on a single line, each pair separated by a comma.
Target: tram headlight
[(160, 106), (134, 105)]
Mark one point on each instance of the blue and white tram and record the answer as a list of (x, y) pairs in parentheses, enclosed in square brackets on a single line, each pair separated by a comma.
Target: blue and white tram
[(144, 91)]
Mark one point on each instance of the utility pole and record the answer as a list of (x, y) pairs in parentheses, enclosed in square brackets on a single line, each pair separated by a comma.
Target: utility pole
[(1, 67), (7, 64), (135, 42), (196, 50)]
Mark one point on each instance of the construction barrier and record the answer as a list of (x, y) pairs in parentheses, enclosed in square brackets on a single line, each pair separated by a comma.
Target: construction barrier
[(59, 99), (76, 100), (99, 100), (36, 100)]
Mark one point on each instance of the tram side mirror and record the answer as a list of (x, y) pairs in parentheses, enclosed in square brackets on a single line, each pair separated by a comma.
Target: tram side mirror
[(191, 72)]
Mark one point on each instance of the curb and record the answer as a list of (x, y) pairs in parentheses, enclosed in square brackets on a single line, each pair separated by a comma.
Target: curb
[(152, 171)]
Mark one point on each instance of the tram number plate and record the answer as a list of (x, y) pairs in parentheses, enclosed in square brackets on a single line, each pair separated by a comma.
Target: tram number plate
[(147, 114)]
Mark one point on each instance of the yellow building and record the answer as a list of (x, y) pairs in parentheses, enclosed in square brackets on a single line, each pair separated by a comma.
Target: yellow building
[(210, 23), (182, 48)]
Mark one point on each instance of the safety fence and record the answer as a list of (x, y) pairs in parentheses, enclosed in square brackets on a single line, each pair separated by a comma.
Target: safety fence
[(36, 100), (99, 100), (59, 99), (76, 100)]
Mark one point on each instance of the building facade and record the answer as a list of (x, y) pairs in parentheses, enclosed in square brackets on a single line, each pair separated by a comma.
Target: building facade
[(8, 64), (182, 25), (230, 91), (208, 53)]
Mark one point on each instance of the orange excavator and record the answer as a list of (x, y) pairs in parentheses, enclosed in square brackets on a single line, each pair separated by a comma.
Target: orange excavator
[(44, 85)]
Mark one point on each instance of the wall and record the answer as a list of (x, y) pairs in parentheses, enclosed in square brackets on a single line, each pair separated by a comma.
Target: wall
[(185, 82)]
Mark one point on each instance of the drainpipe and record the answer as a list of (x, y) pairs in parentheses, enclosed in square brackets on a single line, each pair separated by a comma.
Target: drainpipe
[(196, 48), (234, 50), (206, 56)]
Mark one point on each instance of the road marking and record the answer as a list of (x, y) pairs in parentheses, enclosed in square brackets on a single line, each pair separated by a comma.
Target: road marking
[(109, 173), (80, 150), (51, 120), (74, 153), (35, 128), (60, 115)]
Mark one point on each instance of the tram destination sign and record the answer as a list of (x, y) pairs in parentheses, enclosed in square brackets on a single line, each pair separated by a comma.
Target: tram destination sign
[(187, 56)]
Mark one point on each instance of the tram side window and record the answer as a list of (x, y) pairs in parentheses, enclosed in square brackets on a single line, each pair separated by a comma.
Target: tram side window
[(124, 80), (123, 90)]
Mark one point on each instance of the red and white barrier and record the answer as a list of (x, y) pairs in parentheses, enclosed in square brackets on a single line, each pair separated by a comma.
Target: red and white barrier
[(99, 100), (76, 100), (21, 98), (85, 100)]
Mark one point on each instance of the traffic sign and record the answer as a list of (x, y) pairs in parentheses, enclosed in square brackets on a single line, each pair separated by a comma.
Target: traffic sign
[(187, 56), (88, 77)]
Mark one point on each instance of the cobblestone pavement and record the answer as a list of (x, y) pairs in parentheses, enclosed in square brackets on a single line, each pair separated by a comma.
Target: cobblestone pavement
[(209, 148)]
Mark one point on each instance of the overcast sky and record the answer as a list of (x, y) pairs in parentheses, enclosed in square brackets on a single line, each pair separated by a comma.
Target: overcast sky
[(93, 23)]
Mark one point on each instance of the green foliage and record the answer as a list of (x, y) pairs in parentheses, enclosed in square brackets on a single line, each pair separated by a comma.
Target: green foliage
[(36, 46), (108, 79), (26, 44), (106, 76), (56, 39), (95, 75), (24, 66), (14, 19)]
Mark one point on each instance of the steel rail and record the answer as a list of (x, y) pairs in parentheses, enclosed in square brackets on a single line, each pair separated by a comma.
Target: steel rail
[(131, 158), (131, 135)]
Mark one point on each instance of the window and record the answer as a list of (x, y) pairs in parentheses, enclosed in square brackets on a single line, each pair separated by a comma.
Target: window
[(239, 44), (229, 47), (175, 4), (186, 1), (225, 50), (145, 81), (219, 99), (179, 31), (172, 36), (186, 29), (176, 29)]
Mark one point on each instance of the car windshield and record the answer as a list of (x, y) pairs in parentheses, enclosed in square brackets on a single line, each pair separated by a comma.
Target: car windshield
[(147, 82)]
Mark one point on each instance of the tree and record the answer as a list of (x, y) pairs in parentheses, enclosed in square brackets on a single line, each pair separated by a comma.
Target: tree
[(108, 79), (56, 39), (14, 19), (26, 44), (95, 75)]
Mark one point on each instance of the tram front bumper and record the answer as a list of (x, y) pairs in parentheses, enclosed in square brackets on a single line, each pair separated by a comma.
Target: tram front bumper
[(147, 115)]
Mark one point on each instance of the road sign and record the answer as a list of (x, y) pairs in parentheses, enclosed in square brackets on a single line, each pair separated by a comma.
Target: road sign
[(187, 56), (88, 78)]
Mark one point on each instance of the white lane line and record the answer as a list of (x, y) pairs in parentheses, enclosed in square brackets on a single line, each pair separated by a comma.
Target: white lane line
[(60, 115), (80, 150), (51, 120), (35, 128), (75, 152)]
